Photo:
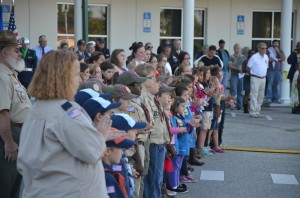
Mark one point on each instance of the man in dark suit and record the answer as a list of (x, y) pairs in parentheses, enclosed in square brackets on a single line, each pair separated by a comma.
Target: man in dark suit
[(30, 59)]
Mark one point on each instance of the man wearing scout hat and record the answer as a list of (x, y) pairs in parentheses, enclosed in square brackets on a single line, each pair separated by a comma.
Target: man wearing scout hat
[(14, 106)]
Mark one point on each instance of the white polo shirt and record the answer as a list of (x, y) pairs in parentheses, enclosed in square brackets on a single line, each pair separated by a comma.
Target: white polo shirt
[(258, 65)]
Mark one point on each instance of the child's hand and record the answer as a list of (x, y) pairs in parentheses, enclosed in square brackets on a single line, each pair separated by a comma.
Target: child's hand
[(104, 126), (182, 129)]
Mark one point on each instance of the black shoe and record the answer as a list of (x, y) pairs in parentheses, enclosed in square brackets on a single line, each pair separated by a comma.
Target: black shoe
[(180, 189), (196, 162)]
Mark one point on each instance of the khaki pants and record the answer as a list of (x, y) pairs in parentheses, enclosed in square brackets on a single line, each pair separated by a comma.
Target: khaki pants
[(10, 180), (257, 94), (137, 182)]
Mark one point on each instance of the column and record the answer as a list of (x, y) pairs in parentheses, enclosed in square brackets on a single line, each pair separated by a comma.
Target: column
[(285, 45), (77, 22), (188, 27)]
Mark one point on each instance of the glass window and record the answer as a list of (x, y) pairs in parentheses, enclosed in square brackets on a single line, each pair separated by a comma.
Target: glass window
[(65, 19), (170, 22), (170, 26), (199, 23), (97, 23), (97, 17), (266, 27), (262, 24)]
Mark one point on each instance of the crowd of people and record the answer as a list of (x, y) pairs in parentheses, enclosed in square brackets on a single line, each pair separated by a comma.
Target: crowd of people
[(94, 124)]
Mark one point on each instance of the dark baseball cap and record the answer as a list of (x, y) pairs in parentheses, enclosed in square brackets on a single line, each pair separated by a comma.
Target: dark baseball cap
[(100, 39), (164, 89), (80, 42), (119, 91), (127, 78)]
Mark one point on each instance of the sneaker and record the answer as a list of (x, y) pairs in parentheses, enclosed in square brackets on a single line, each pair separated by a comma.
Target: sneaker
[(218, 150), (205, 151), (171, 193), (183, 179), (223, 145), (192, 180), (260, 116), (253, 115), (180, 189), (183, 186), (277, 102)]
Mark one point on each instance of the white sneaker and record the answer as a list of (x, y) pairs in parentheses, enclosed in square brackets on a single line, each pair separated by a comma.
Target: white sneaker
[(171, 193), (260, 116), (252, 115)]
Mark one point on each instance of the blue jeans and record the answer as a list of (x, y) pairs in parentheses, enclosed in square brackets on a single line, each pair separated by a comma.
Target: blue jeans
[(225, 79), (236, 88), (153, 180), (273, 85)]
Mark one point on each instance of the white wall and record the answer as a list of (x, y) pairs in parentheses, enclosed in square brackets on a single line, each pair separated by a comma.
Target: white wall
[(36, 17)]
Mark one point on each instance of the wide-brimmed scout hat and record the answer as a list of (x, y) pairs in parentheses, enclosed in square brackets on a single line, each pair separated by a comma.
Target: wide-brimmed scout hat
[(7, 38)]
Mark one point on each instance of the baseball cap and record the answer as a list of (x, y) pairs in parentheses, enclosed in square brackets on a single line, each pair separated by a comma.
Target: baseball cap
[(92, 83), (161, 78), (99, 105), (83, 95), (25, 40), (127, 78), (119, 91), (164, 89), (122, 121), (80, 42), (91, 43), (120, 142), (100, 39)]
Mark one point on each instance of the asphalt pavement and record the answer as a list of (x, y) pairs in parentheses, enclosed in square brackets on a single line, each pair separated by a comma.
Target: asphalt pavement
[(242, 174)]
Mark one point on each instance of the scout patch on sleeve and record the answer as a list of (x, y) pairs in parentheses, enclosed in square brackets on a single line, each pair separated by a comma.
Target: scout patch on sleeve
[(131, 109), (74, 113), (116, 167), (110, 189)]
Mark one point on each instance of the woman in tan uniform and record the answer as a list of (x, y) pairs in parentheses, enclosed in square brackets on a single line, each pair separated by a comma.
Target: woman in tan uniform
[(60, 148)]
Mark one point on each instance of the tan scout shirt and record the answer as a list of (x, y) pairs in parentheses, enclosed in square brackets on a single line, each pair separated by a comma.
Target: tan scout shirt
[(13, 96), (59, 153), (156, 135), (137, 113)]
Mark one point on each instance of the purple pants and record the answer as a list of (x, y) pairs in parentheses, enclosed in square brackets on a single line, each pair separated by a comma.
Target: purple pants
[(172, 178)]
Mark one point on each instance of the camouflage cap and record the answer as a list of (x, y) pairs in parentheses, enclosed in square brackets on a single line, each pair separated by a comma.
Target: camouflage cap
[(127, 78), (119, 91)]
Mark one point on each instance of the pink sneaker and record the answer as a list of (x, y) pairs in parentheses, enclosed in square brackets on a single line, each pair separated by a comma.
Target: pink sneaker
[(192, 180), (183, 179), (219, 150)]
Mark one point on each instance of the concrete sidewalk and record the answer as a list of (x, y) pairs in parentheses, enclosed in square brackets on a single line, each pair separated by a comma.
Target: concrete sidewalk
[(237, 174)]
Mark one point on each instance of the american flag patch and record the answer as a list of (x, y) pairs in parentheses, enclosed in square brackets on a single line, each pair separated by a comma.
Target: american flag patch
[(74, 113), (110, 189), (116, 167)]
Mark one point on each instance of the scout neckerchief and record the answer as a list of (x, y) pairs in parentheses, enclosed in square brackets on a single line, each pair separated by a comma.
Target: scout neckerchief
[(120, 179)]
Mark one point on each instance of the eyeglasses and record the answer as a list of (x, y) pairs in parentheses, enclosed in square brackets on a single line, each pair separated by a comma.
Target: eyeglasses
[(16, 50)]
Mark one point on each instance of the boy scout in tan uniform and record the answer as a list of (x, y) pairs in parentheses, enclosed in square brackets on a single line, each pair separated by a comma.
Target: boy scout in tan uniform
[(14, 106), (139, 113)]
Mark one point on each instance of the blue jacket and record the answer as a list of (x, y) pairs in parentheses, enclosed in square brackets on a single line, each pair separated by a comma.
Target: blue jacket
[(113, 188), (189, 116), (182, 145)]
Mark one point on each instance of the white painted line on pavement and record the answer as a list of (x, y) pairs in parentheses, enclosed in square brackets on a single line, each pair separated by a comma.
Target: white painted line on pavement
[(212, 175), (269, 117), (284, 179), (233, 115)]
